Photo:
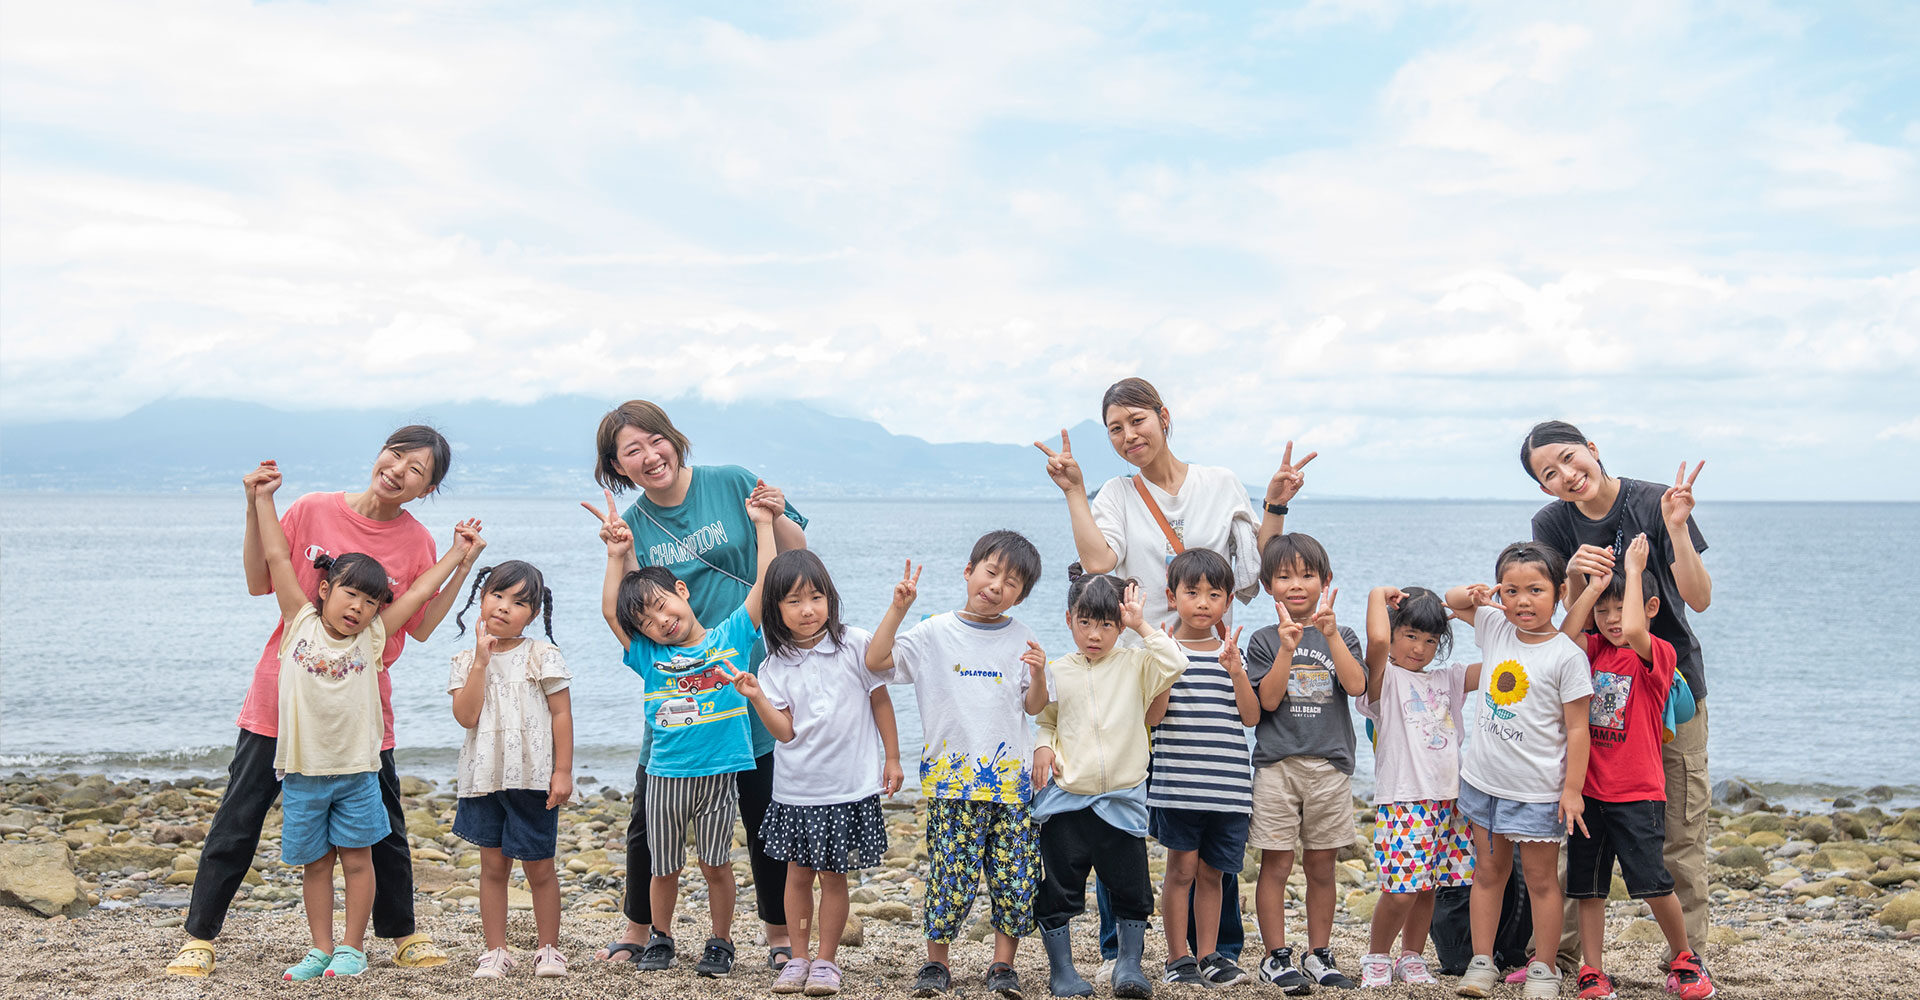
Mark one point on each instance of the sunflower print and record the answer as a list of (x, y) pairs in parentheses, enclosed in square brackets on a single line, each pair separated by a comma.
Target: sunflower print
[(1507, 687)]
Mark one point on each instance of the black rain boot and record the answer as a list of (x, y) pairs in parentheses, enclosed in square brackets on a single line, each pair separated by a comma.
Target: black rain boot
[(1128, 980), (1063, 980)]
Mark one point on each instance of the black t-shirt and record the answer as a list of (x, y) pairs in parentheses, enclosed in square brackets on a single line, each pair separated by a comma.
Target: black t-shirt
[(1636, 510)]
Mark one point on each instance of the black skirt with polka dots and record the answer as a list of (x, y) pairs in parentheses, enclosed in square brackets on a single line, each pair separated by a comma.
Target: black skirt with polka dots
[(836, 838)]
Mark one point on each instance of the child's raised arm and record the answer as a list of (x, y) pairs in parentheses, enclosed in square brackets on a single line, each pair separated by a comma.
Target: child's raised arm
[(1580, 612), (619, 541), (891, 775), (466, 539), (1633, 607), (472, 696), (1464, 601), (1245, 699), (880, 650), (276, 552), (1379, 636), (762, 508), (252, 559)]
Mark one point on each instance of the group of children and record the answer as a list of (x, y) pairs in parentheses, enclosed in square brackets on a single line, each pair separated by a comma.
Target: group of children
[(1139, 732)]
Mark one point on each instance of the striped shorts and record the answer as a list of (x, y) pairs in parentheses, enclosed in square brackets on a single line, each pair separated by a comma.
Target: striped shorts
[(708, 802)]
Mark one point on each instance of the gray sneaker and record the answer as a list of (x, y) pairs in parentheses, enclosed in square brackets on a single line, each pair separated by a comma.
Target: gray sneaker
[(1543, 982), (1480, 977)]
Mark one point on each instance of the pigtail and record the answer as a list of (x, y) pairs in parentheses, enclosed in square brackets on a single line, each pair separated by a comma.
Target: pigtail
[(473, 594), (546, 612), (323, 563), (1075, 572)]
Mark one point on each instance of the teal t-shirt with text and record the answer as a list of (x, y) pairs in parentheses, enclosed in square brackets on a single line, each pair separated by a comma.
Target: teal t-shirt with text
[(696, 718), (711, 524)]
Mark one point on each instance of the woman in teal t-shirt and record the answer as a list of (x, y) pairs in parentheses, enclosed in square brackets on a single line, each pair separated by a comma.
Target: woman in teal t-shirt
[(692, 519)]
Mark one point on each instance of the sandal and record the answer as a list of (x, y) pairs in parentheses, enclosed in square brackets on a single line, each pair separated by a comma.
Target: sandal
[(196, 960), (614, 948), (778, 956), (417, 951)]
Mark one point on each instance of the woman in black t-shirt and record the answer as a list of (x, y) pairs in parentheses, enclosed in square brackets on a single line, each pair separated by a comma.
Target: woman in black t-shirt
[(1591, 520)]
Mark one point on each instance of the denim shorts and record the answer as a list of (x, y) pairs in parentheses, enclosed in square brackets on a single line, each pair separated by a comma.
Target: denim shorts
[(1511, 819), (321, 812), (1220, 837), (514, 821)]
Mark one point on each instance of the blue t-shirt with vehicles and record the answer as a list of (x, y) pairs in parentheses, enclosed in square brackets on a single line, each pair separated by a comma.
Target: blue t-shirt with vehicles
[(697, 719)]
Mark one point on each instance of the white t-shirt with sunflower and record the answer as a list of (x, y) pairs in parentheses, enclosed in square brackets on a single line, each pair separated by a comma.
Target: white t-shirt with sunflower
[(1519, 745)]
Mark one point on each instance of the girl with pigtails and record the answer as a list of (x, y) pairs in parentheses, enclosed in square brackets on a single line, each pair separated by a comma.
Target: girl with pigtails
[(516, 765)]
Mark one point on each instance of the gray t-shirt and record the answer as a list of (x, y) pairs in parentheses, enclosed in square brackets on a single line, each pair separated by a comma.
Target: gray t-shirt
[(1313, 721)]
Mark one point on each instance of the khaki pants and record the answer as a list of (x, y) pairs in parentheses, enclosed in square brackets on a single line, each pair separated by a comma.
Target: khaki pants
[(1688, 795)]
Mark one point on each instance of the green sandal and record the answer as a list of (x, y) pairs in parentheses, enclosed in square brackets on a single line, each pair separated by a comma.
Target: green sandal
[(310, 967)]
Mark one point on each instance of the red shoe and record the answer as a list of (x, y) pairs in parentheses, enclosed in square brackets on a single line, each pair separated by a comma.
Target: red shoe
[(1594, 984), (1687, 978)]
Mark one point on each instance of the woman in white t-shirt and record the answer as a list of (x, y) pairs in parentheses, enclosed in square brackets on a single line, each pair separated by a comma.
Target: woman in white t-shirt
[(1205, 506)]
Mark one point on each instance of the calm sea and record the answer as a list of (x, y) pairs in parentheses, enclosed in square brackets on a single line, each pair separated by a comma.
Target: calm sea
[(127, 637)]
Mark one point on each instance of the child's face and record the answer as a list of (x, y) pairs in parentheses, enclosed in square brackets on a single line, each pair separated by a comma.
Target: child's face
[(1094, 637), (1609, 617), (646, 458), (804, 610), (1200, 604), (1528, 595), (1567, 471), (507, 612), (1298, 588), (1412, 649), (1136, 433), (992, 587), (668, 618), (346, 611)]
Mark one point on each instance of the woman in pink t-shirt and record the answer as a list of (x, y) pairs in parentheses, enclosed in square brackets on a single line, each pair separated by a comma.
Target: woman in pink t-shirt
[(411, 464)]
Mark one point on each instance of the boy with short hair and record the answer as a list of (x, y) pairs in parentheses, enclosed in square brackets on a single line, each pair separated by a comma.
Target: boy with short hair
[(975, 695), (1625, 787), (698, 721), (1199, 791), (1305, 668)]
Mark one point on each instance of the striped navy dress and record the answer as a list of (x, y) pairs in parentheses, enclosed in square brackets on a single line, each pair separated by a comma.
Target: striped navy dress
[(1200, 755)]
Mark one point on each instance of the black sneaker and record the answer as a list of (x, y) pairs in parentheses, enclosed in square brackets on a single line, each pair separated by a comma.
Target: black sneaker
[(1219, 970), (717, 960), (657, 955), (1319, 965), (1277, 968), (1183, 971), (1003, 980), (933, 980)]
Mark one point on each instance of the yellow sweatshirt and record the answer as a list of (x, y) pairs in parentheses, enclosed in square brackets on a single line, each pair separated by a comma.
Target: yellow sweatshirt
[(1096, 715)]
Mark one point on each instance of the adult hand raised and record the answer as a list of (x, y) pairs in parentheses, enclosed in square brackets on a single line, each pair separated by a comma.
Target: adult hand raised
[(1061, 468), (1676, 504), (1289, 478)]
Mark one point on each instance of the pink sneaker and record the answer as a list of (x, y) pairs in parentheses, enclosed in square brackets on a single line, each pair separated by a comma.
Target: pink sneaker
[(1412, 968), (1375, 971), (793, 976)]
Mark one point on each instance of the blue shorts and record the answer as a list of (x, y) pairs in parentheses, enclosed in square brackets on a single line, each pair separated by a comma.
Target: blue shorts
[(321, 812), (1220, 837), (514, 821), (1524, 821)]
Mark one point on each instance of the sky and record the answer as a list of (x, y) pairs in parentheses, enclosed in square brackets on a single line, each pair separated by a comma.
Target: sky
[(1398, 233)]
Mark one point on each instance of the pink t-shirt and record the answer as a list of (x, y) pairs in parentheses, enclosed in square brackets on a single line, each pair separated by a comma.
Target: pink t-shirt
[(322, 522)]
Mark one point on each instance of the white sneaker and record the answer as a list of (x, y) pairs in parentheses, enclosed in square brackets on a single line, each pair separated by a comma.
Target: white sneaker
[(494, 964), (1105, 975), (1480, 977), (549, 963), (1375, 971), (1412, 968), (1543, 982)]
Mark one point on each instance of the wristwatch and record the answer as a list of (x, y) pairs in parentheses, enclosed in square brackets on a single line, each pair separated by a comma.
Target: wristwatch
[(1277, 509)]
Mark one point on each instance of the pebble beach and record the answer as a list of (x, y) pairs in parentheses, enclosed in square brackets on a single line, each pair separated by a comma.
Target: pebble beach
[(95, 874)]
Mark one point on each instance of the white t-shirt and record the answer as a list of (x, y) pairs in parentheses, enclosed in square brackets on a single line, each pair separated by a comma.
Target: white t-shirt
[(330, 721), (1519, 745), (1416, 751), (1211, 512), (511, 746), (835, 755), (971, 687)]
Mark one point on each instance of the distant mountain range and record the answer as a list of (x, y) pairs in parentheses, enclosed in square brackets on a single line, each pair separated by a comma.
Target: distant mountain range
[(543, 448)]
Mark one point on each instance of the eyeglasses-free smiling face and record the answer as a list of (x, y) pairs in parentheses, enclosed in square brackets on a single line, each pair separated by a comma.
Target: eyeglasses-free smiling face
[(648, 459), (668, 619), (402, 476), (1137, 433), (1411, 648), (1568, 472)]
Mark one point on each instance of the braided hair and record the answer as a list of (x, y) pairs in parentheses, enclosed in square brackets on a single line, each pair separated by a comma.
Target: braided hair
[(506, 578)]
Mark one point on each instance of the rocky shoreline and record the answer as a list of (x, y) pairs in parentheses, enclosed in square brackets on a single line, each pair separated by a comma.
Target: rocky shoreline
[(94, 878)]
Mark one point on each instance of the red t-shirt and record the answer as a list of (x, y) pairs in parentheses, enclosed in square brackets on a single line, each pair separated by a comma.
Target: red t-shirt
[(322, 522), (1624, 719)]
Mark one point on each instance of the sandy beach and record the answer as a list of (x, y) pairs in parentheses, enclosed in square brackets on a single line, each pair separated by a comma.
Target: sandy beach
[(1809, 905)]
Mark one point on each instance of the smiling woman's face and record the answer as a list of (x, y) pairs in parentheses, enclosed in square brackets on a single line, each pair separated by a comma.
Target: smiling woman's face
[(401, 477), (1137, 434), (1567, 471), (648, 459)]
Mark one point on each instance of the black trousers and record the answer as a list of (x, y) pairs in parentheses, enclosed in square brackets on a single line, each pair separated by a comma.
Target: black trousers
[(769, 874), (1075, 843), (235, 835)]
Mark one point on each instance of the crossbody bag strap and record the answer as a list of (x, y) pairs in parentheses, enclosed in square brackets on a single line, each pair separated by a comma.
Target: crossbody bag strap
[(1166, 528), (689, 549)]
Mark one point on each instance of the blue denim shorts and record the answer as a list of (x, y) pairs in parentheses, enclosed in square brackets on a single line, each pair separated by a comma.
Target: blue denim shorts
[(515, 821), (322, 812), (1220, 837), (1511, 819)]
